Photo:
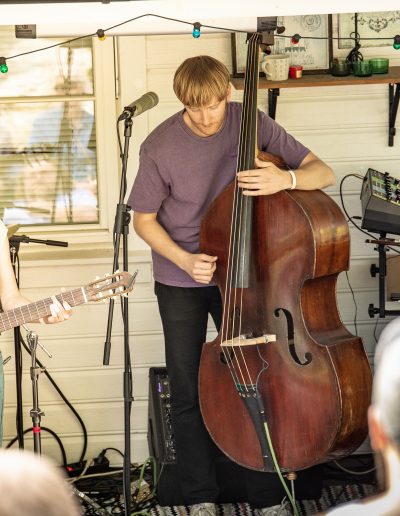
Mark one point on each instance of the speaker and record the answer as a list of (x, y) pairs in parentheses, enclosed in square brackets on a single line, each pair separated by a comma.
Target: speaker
[(236, 484)]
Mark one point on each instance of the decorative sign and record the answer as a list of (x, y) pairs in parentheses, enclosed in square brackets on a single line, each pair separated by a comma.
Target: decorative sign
[(314, 55), (369, 25)]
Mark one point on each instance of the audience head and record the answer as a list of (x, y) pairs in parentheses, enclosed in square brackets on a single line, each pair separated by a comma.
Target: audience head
[(385, 408), (31, 485)]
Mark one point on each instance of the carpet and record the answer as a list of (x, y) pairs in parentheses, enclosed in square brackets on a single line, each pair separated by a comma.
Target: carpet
[(331, 496)]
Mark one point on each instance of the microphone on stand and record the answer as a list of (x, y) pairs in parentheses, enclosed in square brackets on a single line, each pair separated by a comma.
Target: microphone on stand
[(139, 106)]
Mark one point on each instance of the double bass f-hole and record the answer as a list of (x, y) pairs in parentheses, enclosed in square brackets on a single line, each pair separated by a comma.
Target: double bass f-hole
[(290, 338)]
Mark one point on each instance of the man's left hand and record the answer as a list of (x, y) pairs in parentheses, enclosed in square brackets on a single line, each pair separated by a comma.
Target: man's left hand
[(267, 179)]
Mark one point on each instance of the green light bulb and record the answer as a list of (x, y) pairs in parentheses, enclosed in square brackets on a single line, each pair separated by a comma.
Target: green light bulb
[(3, 68), (396, 46)]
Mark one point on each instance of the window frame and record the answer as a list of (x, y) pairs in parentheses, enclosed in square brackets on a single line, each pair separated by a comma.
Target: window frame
[(107, 157)]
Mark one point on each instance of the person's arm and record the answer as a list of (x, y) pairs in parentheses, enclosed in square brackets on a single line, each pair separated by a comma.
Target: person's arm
[(200, 266), (267, 179), (11, 297)]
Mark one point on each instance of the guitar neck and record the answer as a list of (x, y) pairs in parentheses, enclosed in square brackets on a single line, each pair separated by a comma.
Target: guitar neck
[(35, 311)]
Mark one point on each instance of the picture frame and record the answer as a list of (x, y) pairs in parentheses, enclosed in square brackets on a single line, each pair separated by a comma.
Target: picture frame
[(369, 25), (314, 55)]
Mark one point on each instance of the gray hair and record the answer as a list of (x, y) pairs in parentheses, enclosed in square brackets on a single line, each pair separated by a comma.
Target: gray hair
[(34, 486), (386, 385)]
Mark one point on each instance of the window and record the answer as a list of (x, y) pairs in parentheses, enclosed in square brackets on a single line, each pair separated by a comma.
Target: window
[(48, 170)]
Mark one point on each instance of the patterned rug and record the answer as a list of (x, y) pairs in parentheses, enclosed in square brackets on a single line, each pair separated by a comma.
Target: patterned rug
[(331, 496)]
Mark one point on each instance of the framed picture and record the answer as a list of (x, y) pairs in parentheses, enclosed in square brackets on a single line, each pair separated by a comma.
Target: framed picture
[(313, 54), (369, 25)]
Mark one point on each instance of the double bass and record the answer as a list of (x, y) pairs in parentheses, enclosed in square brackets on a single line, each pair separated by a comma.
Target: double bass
[(285, 385)]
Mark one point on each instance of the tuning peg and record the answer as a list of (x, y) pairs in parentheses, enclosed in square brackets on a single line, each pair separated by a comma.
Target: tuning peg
[(124, 295)]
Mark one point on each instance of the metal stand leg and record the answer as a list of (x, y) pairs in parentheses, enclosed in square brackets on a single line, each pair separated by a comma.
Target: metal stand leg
[(393, 106), (381, 271), (35, 413), (273, 94)]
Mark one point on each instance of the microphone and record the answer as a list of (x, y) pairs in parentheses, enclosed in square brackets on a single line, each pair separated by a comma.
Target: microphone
[(139, 106)]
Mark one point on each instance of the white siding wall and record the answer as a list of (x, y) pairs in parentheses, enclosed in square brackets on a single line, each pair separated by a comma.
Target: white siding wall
[(346, 126)]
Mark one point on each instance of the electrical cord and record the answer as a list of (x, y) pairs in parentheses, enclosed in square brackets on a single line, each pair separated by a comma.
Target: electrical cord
[(351, 219), (60, 444), (354, 301), (105, 488), (353, 472)]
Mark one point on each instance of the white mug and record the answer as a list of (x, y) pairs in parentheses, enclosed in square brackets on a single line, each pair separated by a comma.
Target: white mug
[(276, 67)]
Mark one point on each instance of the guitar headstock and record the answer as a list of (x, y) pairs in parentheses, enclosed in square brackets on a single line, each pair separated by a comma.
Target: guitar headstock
[(112, 285)]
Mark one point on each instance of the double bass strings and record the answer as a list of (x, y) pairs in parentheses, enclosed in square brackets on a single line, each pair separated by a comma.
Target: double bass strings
[(240, 211)]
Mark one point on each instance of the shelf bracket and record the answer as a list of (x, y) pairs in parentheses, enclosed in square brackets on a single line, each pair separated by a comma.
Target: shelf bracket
[(393, 105), (273, 94)]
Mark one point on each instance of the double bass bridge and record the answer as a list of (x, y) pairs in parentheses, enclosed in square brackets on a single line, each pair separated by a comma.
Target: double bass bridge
[(245, 340)]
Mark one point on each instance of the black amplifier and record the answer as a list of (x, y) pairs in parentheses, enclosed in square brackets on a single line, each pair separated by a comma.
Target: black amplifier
[(159, 435), (380, 201)]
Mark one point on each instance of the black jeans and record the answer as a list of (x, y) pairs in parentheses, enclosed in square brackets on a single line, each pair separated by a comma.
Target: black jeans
[(184, 314)]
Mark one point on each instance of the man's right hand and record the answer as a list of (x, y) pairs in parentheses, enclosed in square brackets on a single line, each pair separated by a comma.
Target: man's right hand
[(200, 267)]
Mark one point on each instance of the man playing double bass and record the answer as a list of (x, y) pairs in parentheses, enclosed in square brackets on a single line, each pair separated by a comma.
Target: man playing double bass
[(185, 163)]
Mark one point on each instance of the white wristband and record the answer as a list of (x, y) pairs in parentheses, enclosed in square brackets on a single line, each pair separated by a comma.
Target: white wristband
[(294, 182)]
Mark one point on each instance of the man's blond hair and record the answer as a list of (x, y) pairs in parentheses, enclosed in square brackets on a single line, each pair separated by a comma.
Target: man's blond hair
[(200, 79)]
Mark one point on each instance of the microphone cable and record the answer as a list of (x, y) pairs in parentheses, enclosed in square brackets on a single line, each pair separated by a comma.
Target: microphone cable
[(65, 399)]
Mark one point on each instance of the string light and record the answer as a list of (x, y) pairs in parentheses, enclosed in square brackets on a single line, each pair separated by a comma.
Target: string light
[(396, 42), (3, 65), (196, 30), (101, 34), (295, 38)]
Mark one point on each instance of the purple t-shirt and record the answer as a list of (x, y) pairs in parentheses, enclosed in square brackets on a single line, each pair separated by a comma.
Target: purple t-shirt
[(180, 174)]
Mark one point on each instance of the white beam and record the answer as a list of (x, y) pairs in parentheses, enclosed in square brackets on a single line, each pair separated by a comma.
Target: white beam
[(83, 18)]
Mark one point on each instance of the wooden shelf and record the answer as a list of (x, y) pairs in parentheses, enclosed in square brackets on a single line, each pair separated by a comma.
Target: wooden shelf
[(391, 78), (324, 79)]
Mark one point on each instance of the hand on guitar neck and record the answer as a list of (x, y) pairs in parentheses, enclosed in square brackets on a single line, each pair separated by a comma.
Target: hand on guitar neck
[(59, 312), (58, 308)]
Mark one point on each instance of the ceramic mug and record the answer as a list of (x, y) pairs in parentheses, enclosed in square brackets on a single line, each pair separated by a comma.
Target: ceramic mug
[(276, 67)]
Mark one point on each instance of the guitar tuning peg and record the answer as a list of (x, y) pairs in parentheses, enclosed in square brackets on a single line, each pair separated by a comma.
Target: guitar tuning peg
[(124, 295)]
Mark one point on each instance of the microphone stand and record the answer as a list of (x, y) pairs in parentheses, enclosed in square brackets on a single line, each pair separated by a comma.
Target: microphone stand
[(15, 241), (35, 413), (121, 228)]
